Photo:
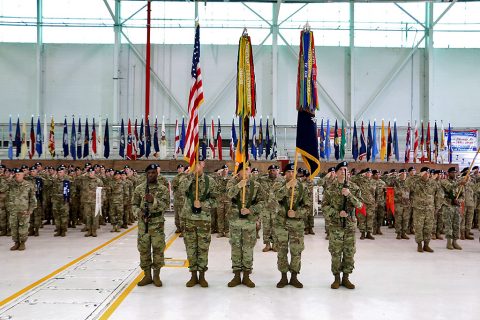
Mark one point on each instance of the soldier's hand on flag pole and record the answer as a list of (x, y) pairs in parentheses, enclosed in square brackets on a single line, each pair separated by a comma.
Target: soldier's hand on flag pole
[(343, 213), (345, 192), (197, 204), (291, 213), (242, 183), (148, 198), (245, 211), (292, 183)]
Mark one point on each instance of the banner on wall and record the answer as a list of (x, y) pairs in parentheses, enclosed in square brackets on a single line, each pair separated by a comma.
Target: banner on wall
[(463, 140)]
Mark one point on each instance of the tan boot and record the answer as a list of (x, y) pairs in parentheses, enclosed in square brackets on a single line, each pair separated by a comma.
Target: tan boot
[(94, 233), (88, 234), (274, 247), (362, 236), (419, 247), (267, 247), (193, 280), (399, 236), (21, 246), (246, 280), (379, 232), (449, 244), (294, 281), (147, 278), (236, 280), (426, 247), (455, 245), (310, 231), (57, 233), (468, 236), (30, 231), (35, 233), (439, 236), (156, 278), (346, 282), (201, 280), (283, 281), (369, 236), (336, 282), (220, 235), (462, 234), (15, 246), (434, 236), (404, 236)]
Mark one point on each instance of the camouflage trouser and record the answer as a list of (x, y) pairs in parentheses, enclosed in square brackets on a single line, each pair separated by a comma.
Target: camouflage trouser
[(47, 212), (379, 216), (91, 221), (60, 211), (290, 236), (309, 219), (365, 224), (19, 223), (242, 239), (451, 221), (327, 223), (268, 227), (151, 245), (73, 216), (411, 222), (438, 222), (341, 244), (4, 220), (466, 219), (223, 211), (213, 220), (116, 213), (197, 239), (36, 217), (402, 214), (177, 208), (423, 221), (127, 211)]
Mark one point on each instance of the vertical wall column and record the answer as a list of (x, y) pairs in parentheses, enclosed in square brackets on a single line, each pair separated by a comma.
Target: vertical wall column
[(428, 64), (116, 62), (275, 30), (350, 66), (39, 57)]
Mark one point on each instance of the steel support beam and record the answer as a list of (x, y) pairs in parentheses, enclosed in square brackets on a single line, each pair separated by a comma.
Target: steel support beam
[(409, 14), (117, 27), (39, 59), (349, 82), (427, 64), (134, 14), (274, 30), (257, 14)]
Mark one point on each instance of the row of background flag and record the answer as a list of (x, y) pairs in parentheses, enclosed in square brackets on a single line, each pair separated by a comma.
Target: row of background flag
[(137, 141)]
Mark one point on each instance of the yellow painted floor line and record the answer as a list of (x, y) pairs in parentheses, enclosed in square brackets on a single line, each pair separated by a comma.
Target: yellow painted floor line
[(116, 303), (54, 273)]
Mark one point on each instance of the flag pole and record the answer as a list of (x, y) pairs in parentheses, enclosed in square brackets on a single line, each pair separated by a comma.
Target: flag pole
[(467, 174), (294, 177)]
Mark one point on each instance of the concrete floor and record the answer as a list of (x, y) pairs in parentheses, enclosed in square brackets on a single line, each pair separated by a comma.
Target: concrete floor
[(393, 281)]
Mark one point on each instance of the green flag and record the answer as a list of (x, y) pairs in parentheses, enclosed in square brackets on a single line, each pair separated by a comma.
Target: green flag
[(343, 142)]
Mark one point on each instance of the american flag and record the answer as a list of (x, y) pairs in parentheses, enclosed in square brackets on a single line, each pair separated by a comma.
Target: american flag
[(195, 99), (177, 140)]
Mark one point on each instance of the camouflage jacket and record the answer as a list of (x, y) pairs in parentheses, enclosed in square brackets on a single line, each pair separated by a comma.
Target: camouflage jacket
[(368, 187), (423, 193), (20, 197), (402, 191), (57, 188), (207, 193), (88, 189), (450, 189), (119, 191), (160, 200), (255, 197), (283, 196)]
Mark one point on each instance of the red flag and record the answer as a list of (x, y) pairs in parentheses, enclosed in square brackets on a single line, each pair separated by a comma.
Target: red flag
[(428, 146), (212, 140), (362, 210), (390, 200), (415, 143), (130, 154), (135, 141), (422, 145)]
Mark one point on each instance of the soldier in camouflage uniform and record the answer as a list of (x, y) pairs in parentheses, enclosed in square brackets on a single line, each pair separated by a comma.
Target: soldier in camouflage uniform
[(325, 182), (381, 187), (467, 216), (107, 191), (20, 203), (411, 177), (88, 198), (342, 224), (308, 218), (36, 216), (196, 213), (224, 203), (60, 191), (213, 210), (269, 212), (454, 193), (423, 191), (119, 195), (289, 225), (4, 224), (178, 198), (439, 195), (129, 181), (402, 204), (368, 186), (152, 197), (243, 219)]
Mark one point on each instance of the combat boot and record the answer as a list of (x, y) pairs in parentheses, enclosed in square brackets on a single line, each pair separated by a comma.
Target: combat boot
[(294, 281), (468, 235), (193, 280), (336, 282), (426, 247), (21, 247), (274, 247), (258, 236), (455, 245), (3, 233), (235, 281), (220, 235), (57, 233), (156, 278), (15, 246), (94, 233), (362, 236), (369, 236), (310, 231), (283, 281), (63, 232), (30, 231), (35, 232), (267, 247), (201, 280), (246, 280), (449, 244), (346, 282), (84, 229), (399, 237), (147, 278), (379, 232), (462, 234), (419, 247), (439, 236), (305, 231), (434, 236), (88, 234), (404, 236)]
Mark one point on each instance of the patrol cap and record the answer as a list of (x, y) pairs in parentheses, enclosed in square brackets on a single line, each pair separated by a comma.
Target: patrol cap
[(306, 173), (411, 169), (151, 166), (402, 171), (464, 169), (425, 169), (255, 170), (452, 169), (109, 170), (180, 166), (224, 166), (374, 171), (78, 168), (289, 167), (385, 173), (464, 174), (300, 171), (117, 172), (38, 163), (341, 165), (17, 170), (123, 172), (331, 169), (437, 172), (360, 172)]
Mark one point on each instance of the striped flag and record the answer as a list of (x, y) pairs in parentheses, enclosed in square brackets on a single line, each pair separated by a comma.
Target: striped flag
[(408, 144), (415, 143), (195, 100), (363, 144), (219, 140), (51, 139), (177, 140)]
